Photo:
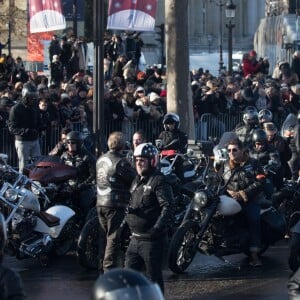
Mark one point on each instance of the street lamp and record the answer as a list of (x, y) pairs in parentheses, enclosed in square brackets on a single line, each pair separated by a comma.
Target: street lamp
[(230, 14)]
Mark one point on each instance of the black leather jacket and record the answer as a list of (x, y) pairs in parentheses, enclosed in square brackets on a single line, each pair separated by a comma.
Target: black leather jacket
[(151, 206), (114, 178), (268, 157), (11, 287), (85, 163), (23, 122), (174, 140), (243, 177)]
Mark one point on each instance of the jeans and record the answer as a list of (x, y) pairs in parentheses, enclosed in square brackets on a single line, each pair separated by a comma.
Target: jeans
[(252, 212), (111, 219), (147, 254), (27, 151)]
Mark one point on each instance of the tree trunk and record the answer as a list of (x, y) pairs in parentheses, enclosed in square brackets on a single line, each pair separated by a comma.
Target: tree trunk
[(177, 60)]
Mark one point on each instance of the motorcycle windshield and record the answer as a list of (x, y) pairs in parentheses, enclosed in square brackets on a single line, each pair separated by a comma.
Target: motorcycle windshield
[(288, 125), (220, 151)]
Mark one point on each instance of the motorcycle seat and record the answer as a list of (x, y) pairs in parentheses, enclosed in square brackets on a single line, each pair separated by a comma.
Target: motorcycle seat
[(50, 220)]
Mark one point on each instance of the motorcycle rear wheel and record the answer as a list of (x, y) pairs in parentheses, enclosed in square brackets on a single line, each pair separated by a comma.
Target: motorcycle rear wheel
[(66, 239), (91, 245), (182, 248)]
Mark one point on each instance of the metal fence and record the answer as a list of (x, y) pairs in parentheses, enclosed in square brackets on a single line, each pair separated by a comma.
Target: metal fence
[(209, 126)]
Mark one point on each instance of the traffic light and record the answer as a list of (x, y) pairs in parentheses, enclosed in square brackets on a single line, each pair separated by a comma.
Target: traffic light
[(161, 33)]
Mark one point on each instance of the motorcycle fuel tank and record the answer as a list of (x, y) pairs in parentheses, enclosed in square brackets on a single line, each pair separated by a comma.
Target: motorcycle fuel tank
[(46, 172), (228, 206)]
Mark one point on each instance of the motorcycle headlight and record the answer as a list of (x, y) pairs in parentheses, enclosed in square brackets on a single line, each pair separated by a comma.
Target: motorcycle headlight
[(36, 187), (200, 199), (11, 195)]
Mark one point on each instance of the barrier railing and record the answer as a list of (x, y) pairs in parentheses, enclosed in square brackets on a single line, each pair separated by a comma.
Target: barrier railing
[(208, 126)]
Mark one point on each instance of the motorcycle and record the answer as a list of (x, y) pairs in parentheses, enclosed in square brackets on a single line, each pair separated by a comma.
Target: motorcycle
[(33, 232), (287, 200), (214, 223), (57, 180)]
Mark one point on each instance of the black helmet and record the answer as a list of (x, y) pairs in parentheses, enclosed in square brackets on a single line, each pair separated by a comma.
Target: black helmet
[(259, 136), (29, 92), (75, 137), (149, 151), (125, 284), (171, 118), (250, 117), (3, 237), (265, 115)]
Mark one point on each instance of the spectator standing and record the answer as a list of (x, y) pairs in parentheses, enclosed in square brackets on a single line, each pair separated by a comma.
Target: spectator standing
[(56, 71), (23, 124), (54, 47), (296, 63)]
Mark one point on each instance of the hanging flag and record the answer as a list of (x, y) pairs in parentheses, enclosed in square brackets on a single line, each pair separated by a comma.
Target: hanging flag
[(46, 16), (136, 15)]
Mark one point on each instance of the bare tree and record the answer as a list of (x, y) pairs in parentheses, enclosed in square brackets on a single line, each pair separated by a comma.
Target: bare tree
[(177, 59)]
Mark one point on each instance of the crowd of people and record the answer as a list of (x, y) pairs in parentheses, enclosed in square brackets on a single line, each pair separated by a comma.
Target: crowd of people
[(33, 105)]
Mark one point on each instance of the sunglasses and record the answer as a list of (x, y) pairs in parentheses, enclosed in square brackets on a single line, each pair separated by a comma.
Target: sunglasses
[(140, 92), (259, 143), (71, 143), (232, 150)]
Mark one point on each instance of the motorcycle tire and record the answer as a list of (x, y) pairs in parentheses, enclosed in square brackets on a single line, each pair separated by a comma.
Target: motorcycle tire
[(182, 248), (91, 245), (66, 239), (294, 257)]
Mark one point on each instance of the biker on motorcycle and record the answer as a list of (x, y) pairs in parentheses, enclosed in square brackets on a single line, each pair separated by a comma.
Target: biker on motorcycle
[(61, 146), (239, 173), (172, 138), (264, 115), (78, 156), (250, 123), (268, 157), (11, 286)]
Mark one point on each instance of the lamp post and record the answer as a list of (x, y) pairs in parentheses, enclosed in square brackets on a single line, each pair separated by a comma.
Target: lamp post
[(230, 14)]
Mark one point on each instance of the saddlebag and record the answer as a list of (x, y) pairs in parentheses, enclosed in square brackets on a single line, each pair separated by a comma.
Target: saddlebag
[(273, 225)]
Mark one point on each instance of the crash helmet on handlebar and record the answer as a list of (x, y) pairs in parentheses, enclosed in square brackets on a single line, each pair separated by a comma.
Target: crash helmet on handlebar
[(118, 282), (3, 236), (171, 118), (147, 150)]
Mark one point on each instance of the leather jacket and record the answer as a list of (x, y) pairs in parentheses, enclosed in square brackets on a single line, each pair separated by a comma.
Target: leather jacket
[(243, 177), (151, 205), (114, 178), (268, 157), (85, 163), (174, 140)]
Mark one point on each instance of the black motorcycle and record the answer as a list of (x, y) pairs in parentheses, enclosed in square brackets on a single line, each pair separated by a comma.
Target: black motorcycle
[(214, 224)]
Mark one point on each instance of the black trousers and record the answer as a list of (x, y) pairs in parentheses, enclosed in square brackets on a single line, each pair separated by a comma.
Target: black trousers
[(111, 219), (147, 255)]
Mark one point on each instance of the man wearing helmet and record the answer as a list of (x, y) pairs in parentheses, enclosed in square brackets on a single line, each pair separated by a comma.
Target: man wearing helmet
[(150, 213), (78, 156), (268, 157), (114, 178), (172, 138), (11, 286), (23, 123), (264, 115), (250, 123)]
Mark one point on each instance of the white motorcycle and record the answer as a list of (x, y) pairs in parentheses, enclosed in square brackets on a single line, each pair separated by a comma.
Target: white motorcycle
[(32, 232)]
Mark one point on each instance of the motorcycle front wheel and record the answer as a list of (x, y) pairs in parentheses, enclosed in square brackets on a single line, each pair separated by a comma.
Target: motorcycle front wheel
[(182, 248), (91, 245)]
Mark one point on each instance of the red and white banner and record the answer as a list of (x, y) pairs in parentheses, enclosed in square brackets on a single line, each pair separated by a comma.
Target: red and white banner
[(134, 15), (46, 15)]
